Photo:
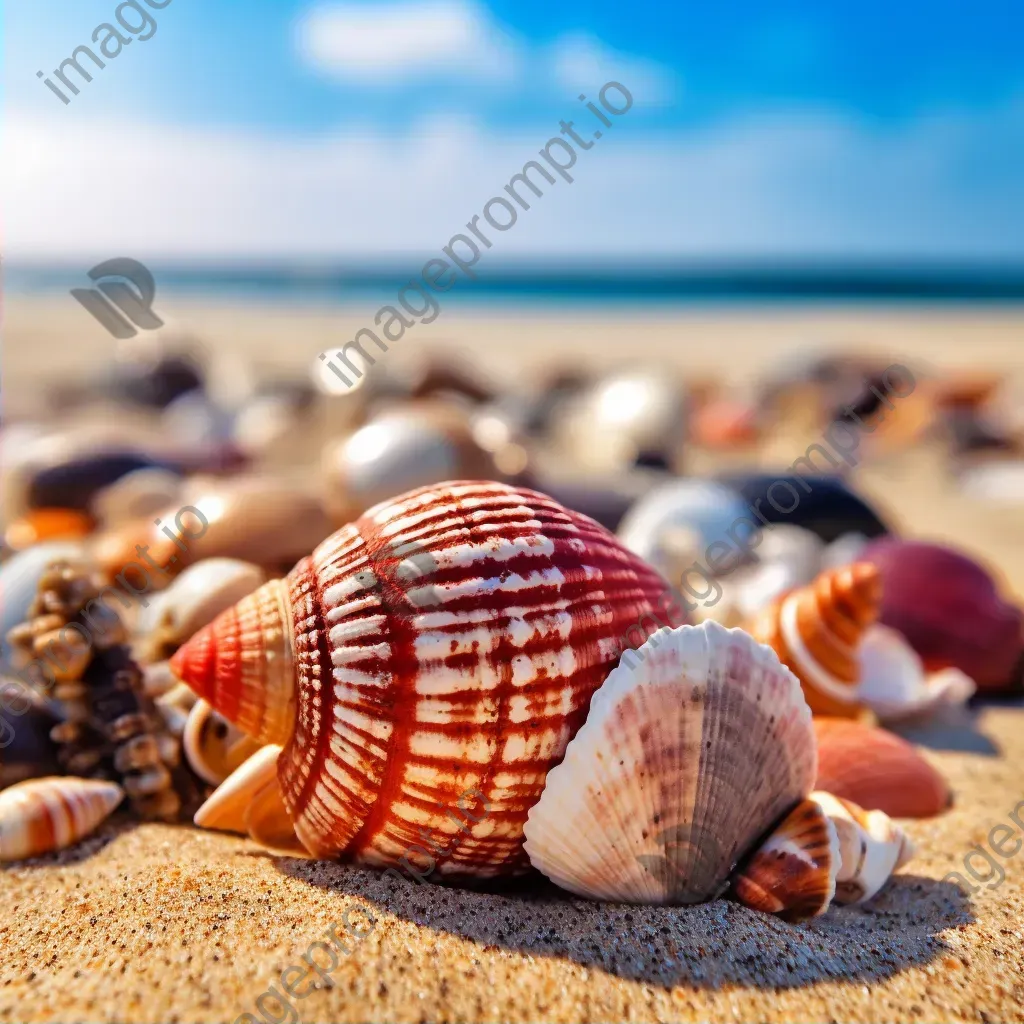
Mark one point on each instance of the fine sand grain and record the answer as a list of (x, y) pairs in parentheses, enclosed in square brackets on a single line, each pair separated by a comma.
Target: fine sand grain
[(156, 923)]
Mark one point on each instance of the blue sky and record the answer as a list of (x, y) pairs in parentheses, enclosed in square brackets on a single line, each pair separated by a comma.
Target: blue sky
[(296, 128)]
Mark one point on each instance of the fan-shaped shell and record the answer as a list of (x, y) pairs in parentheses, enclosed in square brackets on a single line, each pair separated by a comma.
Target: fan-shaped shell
[(48, 814), (685, 760), (447, 641), (816, 631), (877, 770), (950, 610), (793, 872)]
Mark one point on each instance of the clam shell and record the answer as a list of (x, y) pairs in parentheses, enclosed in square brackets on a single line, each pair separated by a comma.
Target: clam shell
[(793, 872), (949, 608), (448, 640), (877, 770), (685, 760), (48, 814), (871, 848), (817, 630)]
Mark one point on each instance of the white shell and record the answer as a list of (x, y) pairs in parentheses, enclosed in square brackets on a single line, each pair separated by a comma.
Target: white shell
[(686, 759), (871, 847), (894, 683), (198, 596)]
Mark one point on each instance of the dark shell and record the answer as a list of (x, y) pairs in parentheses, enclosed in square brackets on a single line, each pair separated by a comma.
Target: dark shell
[(826, 507), (951, 612), (26, 749), (73, 484)]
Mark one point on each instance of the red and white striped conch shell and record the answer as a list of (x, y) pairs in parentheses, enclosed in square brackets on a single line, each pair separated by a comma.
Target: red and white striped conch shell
[(447, 641), (816, 631), (43, 815)]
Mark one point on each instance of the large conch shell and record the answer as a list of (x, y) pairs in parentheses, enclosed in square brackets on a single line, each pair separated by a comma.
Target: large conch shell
[(43, 815), (448, 640), (877, 770), (816, 631), (686, 760), (793, 872), (871, 847)]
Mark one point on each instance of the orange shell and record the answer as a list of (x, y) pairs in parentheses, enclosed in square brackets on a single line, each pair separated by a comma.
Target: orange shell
[(425, 667), (793, 873), (877, 770), (43, 815), (44, 524), (829, 618)]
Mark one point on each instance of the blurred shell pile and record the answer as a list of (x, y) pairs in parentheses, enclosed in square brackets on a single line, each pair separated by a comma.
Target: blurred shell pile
[(449, 639)]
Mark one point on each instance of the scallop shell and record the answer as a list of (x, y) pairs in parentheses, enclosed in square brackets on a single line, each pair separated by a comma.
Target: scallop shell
[(877, 770), (871, 848), (446, 640), (48, 814), (685, 760), (816, 631), (793, 872), (949, 608)]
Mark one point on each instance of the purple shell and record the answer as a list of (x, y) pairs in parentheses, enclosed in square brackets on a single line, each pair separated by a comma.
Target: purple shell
[(950, 610)]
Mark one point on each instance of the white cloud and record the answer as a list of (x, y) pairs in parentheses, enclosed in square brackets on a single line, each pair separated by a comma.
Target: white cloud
[(796, 183), (582, 63), (394, 42)]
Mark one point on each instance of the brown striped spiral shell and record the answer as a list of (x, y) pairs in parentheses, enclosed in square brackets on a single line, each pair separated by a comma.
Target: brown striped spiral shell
[(447, 642)]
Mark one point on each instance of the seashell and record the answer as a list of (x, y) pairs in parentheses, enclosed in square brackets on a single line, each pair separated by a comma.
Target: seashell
[(729, 422), (43, 815), (604, 498), (633, 417), (194, 599), (787, 557), (399, 450), (822, 504), (685, 760), (675, 524), (73, 484), (446, 640), (26, 749), (261, 519), (250, 802), (137, 495), (42, 525), (871, 848), (950, 610), (19, 581), (817, 630), (877, 770), (793, 872), (213, 746), (894, 684)]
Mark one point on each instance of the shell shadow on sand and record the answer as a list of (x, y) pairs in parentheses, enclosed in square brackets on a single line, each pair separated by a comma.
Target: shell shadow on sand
[(709, 945), (951, 729)]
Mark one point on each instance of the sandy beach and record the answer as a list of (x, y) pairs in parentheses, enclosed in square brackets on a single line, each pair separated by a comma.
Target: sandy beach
[(156, 923)]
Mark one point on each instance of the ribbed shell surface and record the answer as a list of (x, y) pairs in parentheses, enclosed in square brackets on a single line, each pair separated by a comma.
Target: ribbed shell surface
[(447, 645)]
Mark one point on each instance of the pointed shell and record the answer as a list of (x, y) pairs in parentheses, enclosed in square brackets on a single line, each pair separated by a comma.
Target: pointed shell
[(684, 761), (448, 640), (48, 814), (878, 770), (871, 847), (793, 872), (816, 632)]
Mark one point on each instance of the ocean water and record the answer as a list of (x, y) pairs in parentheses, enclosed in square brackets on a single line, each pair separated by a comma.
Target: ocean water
[(560, 285)]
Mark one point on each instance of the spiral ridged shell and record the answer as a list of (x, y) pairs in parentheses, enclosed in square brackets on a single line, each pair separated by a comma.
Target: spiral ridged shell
[(816, 630), (447, 642)]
